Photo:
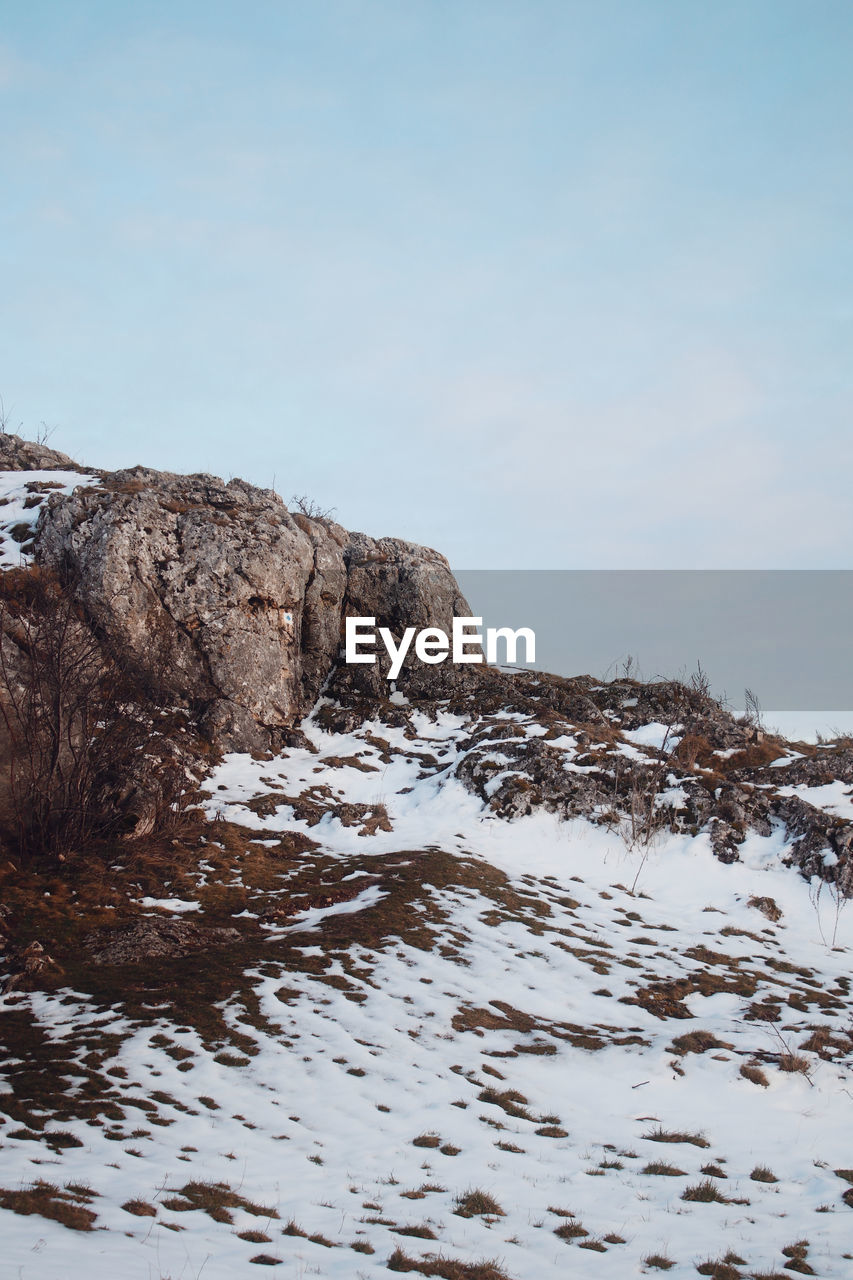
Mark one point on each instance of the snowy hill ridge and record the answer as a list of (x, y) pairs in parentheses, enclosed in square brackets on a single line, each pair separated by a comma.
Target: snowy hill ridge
[(515, 977)]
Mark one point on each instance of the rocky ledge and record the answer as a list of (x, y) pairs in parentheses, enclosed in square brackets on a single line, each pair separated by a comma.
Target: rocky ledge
[(222, 599)]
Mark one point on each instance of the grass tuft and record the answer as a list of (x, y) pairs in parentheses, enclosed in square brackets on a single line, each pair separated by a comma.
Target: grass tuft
[(718, 1269), (705, 1192), (755, 1075), (667, 1135), (447, 1268), (216, 1199), (794, 1063), (475, 1203), (427, 1140), (140, 1208), (571, 1230)]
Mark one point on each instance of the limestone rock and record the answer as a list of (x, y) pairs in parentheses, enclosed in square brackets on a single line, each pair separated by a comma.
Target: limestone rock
[(157, 938), (25, 455), (223, 601), (31, 969)]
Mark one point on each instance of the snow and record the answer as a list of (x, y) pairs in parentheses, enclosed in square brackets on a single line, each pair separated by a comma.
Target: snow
[(307, 921), (834, 797), (655, 735), (809, 726), (358, 1049), (169, 904), (22, 495)]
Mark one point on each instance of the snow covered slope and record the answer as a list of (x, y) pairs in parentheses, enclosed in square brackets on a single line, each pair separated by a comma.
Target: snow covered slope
[(447, 1043), (22, 495)]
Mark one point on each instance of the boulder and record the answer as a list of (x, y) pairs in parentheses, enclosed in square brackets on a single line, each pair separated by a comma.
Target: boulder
[(157, 938), (222, 601)]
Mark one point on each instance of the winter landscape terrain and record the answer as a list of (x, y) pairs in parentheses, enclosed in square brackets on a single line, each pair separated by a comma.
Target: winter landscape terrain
[(522, 978)]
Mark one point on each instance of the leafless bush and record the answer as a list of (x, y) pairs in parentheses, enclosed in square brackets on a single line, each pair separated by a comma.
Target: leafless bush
[(76, 752), (752, 712), (700, 682), (308, 507)]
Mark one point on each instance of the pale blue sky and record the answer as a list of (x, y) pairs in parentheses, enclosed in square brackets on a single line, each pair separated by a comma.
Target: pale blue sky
[(544, 284)]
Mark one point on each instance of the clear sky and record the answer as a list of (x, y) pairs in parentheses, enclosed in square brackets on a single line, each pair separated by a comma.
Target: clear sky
[(542, 283)]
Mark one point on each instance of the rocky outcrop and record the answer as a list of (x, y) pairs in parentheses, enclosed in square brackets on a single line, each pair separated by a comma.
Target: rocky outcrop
[(223, 601), (25, 455), (568, 746), (224, 605), (157, 938), (30, 968)]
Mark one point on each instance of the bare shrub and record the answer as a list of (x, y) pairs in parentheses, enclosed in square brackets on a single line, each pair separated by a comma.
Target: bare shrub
[(752, 710), (79, 762), (310, 508)]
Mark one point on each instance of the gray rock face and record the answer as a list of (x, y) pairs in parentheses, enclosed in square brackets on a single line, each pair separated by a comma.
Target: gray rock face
[(226, 602)]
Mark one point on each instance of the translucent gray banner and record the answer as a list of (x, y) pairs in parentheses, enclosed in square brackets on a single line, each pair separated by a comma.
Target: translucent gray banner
[(784, 634)]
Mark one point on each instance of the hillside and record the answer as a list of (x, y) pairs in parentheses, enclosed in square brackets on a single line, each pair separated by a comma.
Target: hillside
[(494, 975)]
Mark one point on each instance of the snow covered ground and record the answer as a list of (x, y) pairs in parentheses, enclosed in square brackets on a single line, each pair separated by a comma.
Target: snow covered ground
[(22, 495), (479, 1045), (807, 726)]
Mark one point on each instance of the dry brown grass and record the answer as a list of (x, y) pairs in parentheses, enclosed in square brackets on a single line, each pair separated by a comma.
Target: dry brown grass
[(216, 1199), (48, 1201), (140, 1208), (676, 1136), (718, 1269), (476, 1203), (705, 1192), (429, 1140), (767, 906), (510, 1101), (420, 1230), (571, 1230), (754, 1074), (447, 1268), (795, 1063), (697, 1042)]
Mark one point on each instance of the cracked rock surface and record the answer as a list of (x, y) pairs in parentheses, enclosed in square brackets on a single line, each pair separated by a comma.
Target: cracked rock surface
[(224, 601)]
